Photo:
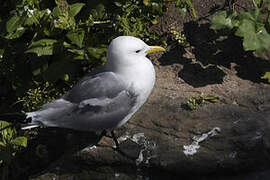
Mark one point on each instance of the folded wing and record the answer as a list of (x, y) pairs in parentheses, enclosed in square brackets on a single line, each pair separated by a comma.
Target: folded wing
[(96, 102)]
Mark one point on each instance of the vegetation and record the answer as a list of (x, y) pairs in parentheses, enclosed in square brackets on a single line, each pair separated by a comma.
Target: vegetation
[(10, 144), (195, 102), (253, 26)]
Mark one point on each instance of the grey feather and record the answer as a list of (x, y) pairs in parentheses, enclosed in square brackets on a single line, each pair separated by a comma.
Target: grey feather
[(104, 84), (95, 103)]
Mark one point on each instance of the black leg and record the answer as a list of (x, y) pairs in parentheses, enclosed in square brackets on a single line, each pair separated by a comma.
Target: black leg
[(103, 133), (118, 147), (115, 140)]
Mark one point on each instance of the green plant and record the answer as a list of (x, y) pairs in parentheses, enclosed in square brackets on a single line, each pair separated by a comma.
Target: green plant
[(253, 26), (177, 36), (10, 144), (184, 6), (41, 94), (195, 102)]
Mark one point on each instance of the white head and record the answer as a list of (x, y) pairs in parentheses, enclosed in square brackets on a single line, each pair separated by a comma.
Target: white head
[(128, 50)]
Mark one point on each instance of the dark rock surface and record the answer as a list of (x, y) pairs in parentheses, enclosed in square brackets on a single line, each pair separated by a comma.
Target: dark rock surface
[(153, 143)]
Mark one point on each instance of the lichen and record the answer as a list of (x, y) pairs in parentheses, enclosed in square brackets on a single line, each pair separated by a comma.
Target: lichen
[(194, 146)]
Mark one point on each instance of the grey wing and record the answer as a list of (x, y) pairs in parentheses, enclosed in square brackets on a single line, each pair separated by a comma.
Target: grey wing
[(96, 102), (101, 113), (105, 84)]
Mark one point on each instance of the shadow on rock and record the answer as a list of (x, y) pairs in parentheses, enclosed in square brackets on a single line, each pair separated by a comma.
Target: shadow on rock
[(50, 145), (193, 73), (212, 49), (197, 76), (223, 48), (174, 56)]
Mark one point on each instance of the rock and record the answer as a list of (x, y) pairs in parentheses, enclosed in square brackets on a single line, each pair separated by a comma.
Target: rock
[(228, 138)]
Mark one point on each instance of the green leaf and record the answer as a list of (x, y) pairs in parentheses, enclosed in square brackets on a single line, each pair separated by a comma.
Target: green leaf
[(67, 45), (14, 27), (36, 72), (246, 28), (266, 76), (1, 53), (2, 144), (76, 37), (118, 4), (78, 53), (4, 124), (56, 12), (258, 2), (146, 2), (16, 34), (13, 23), (44, 42), (75, 9), (221, 21), (191, 7), (255, 38), (96, 52), (100, 9), (65, 77), (42, 47), (19, 141), (41, 50), (251, 15), (8, 133)]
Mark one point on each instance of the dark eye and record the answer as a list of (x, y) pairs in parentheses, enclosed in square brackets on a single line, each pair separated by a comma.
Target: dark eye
[(138, 51)]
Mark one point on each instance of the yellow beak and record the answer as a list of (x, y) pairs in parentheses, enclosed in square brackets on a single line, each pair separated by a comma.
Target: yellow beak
[(154, 49)]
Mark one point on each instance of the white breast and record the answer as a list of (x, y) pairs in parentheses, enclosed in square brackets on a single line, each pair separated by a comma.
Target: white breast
[(142, 78)]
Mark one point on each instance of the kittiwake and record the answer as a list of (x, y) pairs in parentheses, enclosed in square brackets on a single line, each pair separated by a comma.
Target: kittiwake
[(106, 98)]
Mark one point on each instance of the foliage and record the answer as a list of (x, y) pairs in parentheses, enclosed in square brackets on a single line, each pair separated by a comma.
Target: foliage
[(38, 96), (253, 26), (177, 36), (194, 102), (10, 144), (266, 76), (183, 6)]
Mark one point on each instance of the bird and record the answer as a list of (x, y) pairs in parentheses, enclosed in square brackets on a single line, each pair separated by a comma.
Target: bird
[(106, 98)]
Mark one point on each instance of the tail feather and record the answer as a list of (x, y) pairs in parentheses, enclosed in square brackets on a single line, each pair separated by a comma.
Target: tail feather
[(46, 116), (13, 117), (18, 118)]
